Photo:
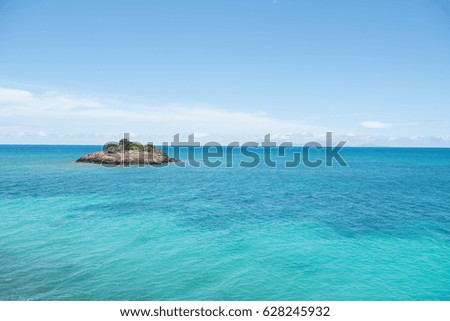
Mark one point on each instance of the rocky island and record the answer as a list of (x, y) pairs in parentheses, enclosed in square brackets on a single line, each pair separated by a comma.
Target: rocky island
[(128, 153)]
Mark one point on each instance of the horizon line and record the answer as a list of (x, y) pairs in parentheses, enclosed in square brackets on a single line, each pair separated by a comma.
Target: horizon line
[(234, 146)]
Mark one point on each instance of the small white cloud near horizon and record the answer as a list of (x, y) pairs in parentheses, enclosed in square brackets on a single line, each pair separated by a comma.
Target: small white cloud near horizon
[(372, 124)]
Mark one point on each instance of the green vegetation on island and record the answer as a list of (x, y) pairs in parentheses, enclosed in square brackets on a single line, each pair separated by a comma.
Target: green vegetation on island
[(125, 144)]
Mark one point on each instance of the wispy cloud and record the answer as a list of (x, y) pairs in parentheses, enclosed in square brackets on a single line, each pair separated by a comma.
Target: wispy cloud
[(54, 117), (48, 110), (375, 124), (8, 95)]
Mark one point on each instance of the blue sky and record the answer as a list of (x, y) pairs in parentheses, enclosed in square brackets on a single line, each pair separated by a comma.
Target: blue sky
[(372, 72)]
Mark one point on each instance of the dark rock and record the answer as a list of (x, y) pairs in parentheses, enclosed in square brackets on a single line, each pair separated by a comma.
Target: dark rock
[(128, 153)]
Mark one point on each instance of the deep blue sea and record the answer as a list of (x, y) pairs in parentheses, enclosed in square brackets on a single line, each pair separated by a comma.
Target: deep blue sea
[(378, 229)]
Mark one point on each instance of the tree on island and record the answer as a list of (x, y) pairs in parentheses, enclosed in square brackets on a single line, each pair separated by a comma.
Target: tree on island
[(127, 145)]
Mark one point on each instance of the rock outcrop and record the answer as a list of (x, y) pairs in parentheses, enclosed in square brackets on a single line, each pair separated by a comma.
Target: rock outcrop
[(128, 153)]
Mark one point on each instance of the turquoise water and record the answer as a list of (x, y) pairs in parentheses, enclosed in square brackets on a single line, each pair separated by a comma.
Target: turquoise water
[(378, 229)]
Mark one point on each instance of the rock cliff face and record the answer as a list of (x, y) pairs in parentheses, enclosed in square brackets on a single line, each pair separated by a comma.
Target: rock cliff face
[(128, 153)]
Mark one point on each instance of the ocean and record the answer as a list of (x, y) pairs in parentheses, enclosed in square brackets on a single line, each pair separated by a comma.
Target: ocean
[(377, 229)]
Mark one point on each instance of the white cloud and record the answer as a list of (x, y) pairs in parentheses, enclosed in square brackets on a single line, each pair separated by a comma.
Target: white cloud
[(375, 124), (8, 95), (201, 135), (53, 113), (52, 117)]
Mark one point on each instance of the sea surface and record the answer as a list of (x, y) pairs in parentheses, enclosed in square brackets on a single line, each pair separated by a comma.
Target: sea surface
[(377, 229)]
